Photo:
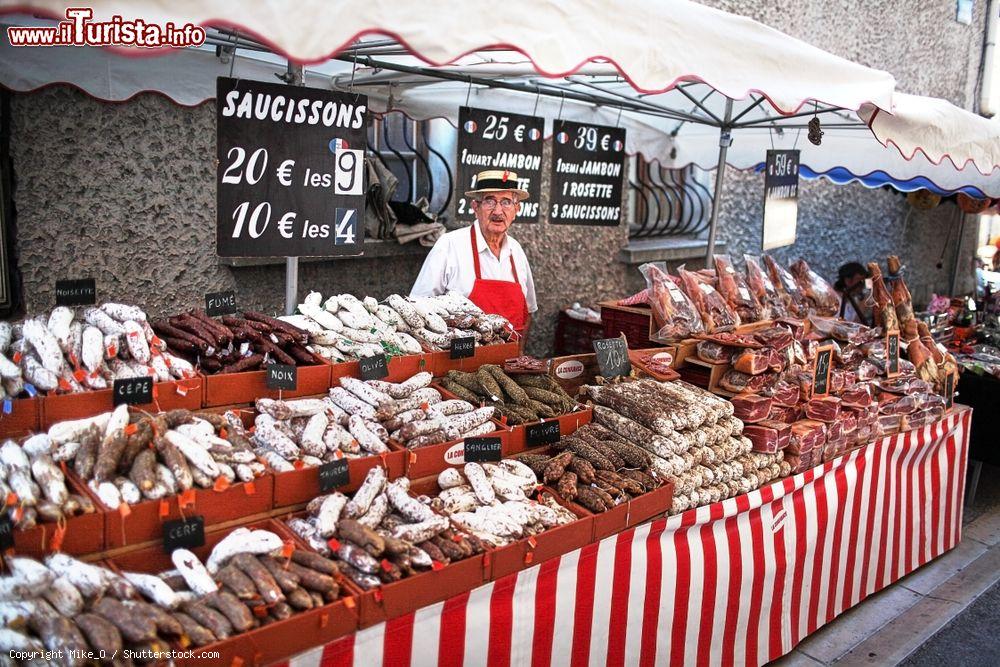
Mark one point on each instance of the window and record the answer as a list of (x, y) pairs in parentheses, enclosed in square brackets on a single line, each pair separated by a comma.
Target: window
[(667, 202)]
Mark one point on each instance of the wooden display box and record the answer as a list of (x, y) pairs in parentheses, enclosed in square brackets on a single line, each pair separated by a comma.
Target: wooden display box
[(273, 642), (429, 587), (180, 394), (401, 367), (637, 358), (637, 323), (144, 521), (567, 424), (230, 388), (633, 512), (529, 551), (440, 363), (432, 459), (296, 487), (23, 419), (703, 374), (573, 371), (84, 534)]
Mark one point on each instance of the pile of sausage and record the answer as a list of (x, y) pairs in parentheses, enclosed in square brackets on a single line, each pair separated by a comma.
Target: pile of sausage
[(38, 485), (596, 468), (381, 534), (67, 605), (344, 327), (497, 502), (234, 344), (520, 398), (126, 458), (70, 352)]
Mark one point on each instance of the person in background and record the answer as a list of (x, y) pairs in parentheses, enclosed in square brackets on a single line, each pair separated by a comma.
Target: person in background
[(854, 295), (482, 261)]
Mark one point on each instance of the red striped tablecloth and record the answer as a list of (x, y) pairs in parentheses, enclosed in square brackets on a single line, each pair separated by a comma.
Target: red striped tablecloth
[(739, 582)]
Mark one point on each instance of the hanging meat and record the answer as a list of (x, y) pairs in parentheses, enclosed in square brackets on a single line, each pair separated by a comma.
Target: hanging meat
[(735, 291), (676, 315), (786, 287), (715, 312), (901, 300), (820, 294), (763, 290), (885, 309), (921, 357)]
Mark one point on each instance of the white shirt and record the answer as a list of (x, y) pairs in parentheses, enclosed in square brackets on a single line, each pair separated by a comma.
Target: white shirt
[(449, 266)]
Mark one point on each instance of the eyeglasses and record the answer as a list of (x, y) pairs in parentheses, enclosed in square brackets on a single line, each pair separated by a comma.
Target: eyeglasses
[(490, 203)]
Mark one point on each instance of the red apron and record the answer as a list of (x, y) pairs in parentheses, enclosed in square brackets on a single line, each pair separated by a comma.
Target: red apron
[(499, 297)]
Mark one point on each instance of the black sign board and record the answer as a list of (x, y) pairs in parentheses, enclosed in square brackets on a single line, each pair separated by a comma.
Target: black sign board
[(612, 357), (463, 347), (373, 368), (544, 433), (949, 390), (481, 450), (6, 533), (290, 175), (781, 198), (586, 184), (133, 391), (497, 140), (333, 474), (184, 533), (821, 371), (82, 292), (220, 303), (282, 376), (892, 354)]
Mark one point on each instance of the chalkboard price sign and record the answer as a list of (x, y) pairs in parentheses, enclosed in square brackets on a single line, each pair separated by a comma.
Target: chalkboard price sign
[(949, 390), (220, 303), (373, 368), (184, 534), (462, 348), (132, 391), (892, 354), (781, 198), (290, 175), (821, 371), (480, 450), (544, 433), (333, 474), (612, 357), (81, 292), (282, 376), (489, 140), (586, 183), (6, 533)]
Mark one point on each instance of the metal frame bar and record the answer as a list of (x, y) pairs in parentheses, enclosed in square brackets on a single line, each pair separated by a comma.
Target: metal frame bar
[(725, 138)]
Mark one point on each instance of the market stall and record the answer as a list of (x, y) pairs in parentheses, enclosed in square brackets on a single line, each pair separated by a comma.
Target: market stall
[(386, 479)]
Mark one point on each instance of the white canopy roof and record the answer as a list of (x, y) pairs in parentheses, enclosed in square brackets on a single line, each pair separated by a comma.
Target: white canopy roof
[(695, 55), (653, 43)]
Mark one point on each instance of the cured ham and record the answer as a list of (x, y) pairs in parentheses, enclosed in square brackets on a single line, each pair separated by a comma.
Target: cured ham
[(818, 293), (715, 312), (734, 289)]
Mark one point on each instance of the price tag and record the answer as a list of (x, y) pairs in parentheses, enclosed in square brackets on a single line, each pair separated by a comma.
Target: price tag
[(949, 390), (544, 433), (892, 354), (821, 371), (349, 176), (481, 450), (6, 533), (612, 357), (373, 368), (184, 534), (333, 474), (675, 292), (81, 292), (133, 391), (462, 348), (744, 293), (282, 376), (220, 303)]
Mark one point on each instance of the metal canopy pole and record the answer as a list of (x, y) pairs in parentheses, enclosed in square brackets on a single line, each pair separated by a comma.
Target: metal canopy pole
[(294, 77), (725, 139)]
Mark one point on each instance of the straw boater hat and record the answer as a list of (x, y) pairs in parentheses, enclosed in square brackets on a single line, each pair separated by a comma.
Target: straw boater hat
[(497, 180)]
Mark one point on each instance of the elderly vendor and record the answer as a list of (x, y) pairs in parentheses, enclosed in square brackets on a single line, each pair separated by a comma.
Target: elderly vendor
[(481, 261)]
